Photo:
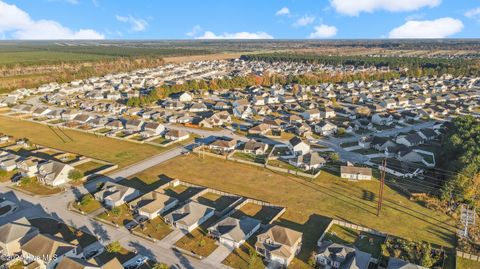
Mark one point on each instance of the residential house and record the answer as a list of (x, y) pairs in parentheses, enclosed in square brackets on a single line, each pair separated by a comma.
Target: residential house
[(311, 114), (14, 234), (153, 129), (134, 125), (337, 256), (114, 195), (185, 97), (234, 232), (394, 263), (279, 245), (381, 143), (327, 113), (355, 173), (115, 125), (259, 129), (308, 161), (8, 161), (47, 251), (189, 216), (176, 135), (77, 263), (297, 146), (28, 167), (325, 128), (54, 173), (384, 119), (223, 145), (410, 140), (153, 204), (255, 147)]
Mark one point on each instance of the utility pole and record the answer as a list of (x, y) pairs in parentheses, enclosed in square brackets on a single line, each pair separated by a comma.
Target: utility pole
[(382, 183)]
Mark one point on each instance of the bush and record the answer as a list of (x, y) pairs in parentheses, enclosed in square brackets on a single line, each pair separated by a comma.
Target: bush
[(75, 174), (160, 266), (115, 211), (86, 199), (25, 180), (341, 131)]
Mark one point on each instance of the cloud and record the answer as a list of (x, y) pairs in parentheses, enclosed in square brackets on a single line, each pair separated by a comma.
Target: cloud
[(17, 24), (304, 21), (136, 24), (355, 7), (439, 28), (238, 35), (195, 31), (473, 13), (283, 11), (323, 31)]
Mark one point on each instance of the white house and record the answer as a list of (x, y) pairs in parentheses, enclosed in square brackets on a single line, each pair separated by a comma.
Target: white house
[(355, 173), (54, 173), (234, 232), (297, 146), (189, 216)]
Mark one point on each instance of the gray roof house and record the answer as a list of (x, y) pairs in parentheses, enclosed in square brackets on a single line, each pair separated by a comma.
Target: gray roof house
[(233, 232), (189, 216), (338, 256)]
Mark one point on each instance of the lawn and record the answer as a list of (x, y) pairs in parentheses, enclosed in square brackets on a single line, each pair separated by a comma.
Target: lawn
[(181, 192), (341, 235), (463, 263), (198, 241), (249, 157), (259, 212), (112, 150), (155, 228), (68, 233), (6, 176), (123, 255), (219, 202), (120, 216), (161, 141), (34, 187), (245, 257), (87, 205), (90, 167), (310, 205)]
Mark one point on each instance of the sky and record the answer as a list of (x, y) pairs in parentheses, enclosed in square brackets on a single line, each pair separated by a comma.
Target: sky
[(238, 19)]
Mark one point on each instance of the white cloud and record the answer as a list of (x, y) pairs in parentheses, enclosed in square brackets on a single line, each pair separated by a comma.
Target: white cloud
[(136, 24), (195, 30), (473, 13), (355, 7), (323, 31), (283, 11), (304, 21), (439, 28), (16, 23), (238, 35)]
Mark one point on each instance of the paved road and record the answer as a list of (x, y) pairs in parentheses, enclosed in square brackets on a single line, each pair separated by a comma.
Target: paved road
[(56, 207)]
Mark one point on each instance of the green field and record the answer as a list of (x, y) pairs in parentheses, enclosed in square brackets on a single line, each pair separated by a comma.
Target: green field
[(98, 147), (311, 205)]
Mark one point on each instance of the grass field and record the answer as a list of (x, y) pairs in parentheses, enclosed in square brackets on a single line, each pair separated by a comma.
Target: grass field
[(90, 167), (467, 264), (198, 241), (155, 228), (34, 187), (98, 147), (121, 218), (310, 205)]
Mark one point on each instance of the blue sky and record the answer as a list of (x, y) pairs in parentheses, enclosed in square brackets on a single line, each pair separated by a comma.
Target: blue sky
[(279, 19)]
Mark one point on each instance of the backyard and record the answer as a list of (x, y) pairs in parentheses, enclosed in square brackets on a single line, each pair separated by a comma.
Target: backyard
[(32, 186), (310, 205)]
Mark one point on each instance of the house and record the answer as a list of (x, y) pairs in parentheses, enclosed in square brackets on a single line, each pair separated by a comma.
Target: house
[(382, 119), (259, 129), (355, 173), (311, 160), (189, 216), (77, 263), (14, 234), (153, 128), (255, 147), (223, 145), (154, 204), (333, 255), (47, 250), (427, 134), (185, 97), (311, 114), (297, 146), (381, 143), (233, 232), (54, 173), (325, 128), (114, 195), (394, 263), (115, 125), (28, 167), (410, 140), (82, 118), (327, 113), (8, 162), (134, 125), (279, 244), (176, 135)]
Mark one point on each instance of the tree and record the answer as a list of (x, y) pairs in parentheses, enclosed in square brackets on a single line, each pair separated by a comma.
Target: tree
[(114, 247), (341, 131), (334, 156), (86, 199), (75, 174)]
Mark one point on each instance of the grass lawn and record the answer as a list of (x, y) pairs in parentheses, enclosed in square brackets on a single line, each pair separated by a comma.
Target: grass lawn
[(249, 157), (68, 233), (241, 257), (122, 217), (341, 235), (259, 212), (219, 202), (103, 130), (35, 187), (87, 206), (349, 144), (6, 176), (90, 167), (181, 192), (463, 263), (198, 241), (155, 228), (112, 150), (310, 205), (161, 140)]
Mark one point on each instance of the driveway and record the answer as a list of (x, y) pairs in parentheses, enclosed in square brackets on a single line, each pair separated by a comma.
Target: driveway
[(220, 254)]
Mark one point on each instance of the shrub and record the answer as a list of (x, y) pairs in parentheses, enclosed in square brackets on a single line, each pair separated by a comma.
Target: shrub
[(86, 199), (113, 247), (75, 174), (115, 211)]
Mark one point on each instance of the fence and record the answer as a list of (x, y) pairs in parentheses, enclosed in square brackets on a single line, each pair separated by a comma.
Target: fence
[(468, 256), (350, 226)]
